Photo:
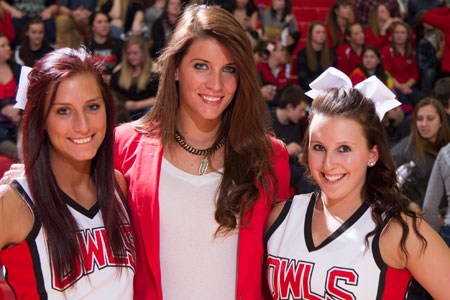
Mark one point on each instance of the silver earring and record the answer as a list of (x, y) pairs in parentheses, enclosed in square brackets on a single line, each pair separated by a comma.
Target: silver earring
[(371, 164)]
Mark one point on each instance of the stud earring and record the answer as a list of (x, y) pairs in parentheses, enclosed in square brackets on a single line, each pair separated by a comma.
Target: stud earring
[(371, 164)]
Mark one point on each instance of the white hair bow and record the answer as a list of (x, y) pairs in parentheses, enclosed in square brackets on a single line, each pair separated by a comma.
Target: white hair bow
[(372, 88), (21, 96)]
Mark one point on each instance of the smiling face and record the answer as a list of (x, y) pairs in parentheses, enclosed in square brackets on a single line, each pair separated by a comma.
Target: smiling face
[(428, 122), (76, 123), (207, 78), (338, 157), (370, 60)]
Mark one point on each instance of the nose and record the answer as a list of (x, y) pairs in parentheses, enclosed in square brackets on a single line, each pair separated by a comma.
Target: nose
[(329, 161), (215, 81), (81, 123)]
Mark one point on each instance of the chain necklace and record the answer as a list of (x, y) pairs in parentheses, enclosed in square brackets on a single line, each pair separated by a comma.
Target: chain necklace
[(202, 152)]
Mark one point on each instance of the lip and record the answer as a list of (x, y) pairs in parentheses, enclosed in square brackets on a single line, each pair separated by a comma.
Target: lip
[(333, 178), (211, 99), (83, 140)]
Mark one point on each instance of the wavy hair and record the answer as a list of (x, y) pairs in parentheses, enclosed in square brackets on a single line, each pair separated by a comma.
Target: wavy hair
[(421, 145), (245, 121), (380, 190), (59, 224)]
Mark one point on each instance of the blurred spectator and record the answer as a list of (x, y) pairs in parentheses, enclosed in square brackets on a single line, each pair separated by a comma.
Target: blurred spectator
[(339, 15), (33, 45), (278, 23), (349, 54), (127, 17), (73, 21), (379, 31), (9, 116), (23, 11), (440, 18), (133, 81), (416, 6), (162, 28), (273, 71), (153, 11), (438, 187), (429, 52), (441, 92), (6, 25), (105, 49), (287, 127), (362, 9), (392, 121), (429, 133), (400, 61), (246, 12), (371, 65), (316, 57)]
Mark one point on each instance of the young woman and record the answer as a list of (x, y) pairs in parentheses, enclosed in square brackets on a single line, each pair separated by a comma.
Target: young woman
[(338, 17), (316, 57), (162, 28), (106, 50), (400, 61), (246, 12), (429, 133), (279, 18), (201, 167), (274, 70), (379, 31), (371, 64), (64, 231), (355, 238), (33, 44), (9, 116), (349, 54), (133, 80)]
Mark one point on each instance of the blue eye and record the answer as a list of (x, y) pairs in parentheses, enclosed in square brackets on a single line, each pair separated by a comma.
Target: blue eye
[(318, 147), (345, 148), (62, 111), (200, 66), (93, 106), (230, 69)]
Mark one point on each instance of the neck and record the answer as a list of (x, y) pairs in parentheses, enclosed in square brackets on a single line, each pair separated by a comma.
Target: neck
[(99, 39), (136, 70), (200, 134), (35, 47), (401, 48), (341, 22), (357, 48), (273, 63), (282, 116), (341, 209), (370, 71), (316, 46)]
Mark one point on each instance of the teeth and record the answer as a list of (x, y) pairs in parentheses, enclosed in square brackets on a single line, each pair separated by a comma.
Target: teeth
[(82, 141), (211, 98), (334, 178)]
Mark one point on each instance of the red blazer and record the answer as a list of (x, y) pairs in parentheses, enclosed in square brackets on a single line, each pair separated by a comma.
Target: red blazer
[(139, 158)]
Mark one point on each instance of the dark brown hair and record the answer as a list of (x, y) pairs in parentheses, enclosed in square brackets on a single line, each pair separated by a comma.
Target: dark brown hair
[(332, 23), (380, 190), (245, 121), (59, 224)]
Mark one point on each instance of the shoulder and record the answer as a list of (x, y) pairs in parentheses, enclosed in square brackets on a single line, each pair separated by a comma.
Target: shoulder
[(121, 181), (279, 148), (16, 218)]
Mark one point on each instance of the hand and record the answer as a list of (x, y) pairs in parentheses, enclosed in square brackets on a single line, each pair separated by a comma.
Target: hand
[(14, 171), (45, 14), (130, 105), (12, 113), (293, 149), (136, 29), (268, 91), (17, 14)]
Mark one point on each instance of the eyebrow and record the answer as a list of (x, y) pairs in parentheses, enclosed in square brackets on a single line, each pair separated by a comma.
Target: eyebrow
[(67, 103), (339, 143), (207, 61)]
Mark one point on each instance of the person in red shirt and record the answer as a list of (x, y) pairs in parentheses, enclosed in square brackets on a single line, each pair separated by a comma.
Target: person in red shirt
[(339, 16), (379, 31), (349, 55), (273, 71), (400, 61), (440, 18)]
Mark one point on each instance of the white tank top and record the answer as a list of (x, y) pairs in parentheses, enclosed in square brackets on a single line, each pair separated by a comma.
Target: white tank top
[(194, 263)]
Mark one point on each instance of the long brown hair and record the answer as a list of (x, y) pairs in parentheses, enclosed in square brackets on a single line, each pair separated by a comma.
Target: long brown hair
[(326, 57), (409, 51), (59, 224), (244, 121), (380, 190), (423, 146), (373, 19), (332, 23)]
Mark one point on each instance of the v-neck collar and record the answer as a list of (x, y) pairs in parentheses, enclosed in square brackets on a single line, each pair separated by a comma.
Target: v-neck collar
[(347, 224)]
